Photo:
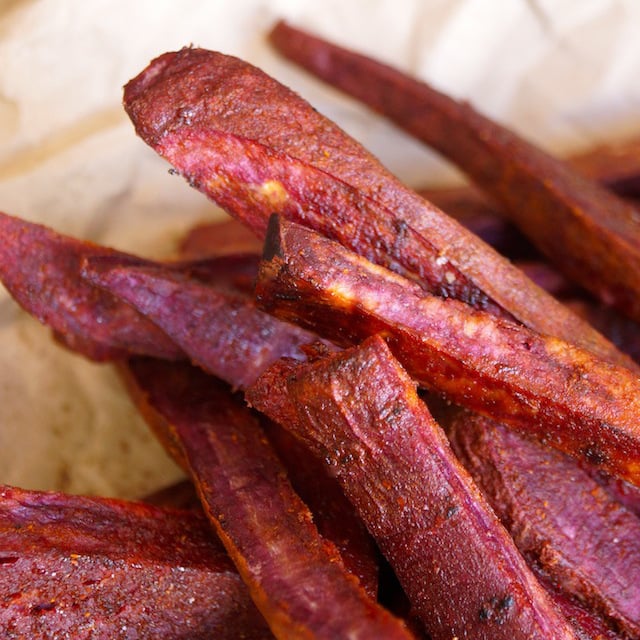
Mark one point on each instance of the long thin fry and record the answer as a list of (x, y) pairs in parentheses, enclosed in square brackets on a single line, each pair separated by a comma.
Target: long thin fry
[(79, 567), (561, 394), (296, 578), (332, 513), (615, 165), (584, 541), (256, 148), (590, 234), (359, 412), (222, 332)]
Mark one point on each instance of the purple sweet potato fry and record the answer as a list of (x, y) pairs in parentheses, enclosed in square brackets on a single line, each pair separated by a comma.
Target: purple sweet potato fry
[(358, 410), (79, 567), (590, 234), (255, 148), (546, 387), (296, 578), (560, 518), (222, 332)]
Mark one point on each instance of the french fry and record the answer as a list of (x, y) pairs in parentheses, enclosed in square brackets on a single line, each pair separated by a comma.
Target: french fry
[(559, 393), (589, 233), (223, 333), (359, 412), (198, 109), (236, 342), (79, 567), (559, 517), (296, 578), (332, 512), (40, 269), (614, 165)]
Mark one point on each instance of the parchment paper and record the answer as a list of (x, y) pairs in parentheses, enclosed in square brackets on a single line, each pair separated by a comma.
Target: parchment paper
[(562, 72)]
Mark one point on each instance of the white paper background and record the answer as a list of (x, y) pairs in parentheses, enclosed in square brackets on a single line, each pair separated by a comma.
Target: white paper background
[(563, 72)]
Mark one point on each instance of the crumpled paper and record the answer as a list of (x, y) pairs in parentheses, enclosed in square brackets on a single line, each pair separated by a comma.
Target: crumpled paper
[(562, 72)]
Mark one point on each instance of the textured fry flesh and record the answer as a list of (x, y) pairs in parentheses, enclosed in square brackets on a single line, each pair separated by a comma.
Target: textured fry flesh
[(76, 567), (559, 393), (332, 513), (590, 234), (223, 333), (295, 577), (255, 148), (359, 412), (560, 518)]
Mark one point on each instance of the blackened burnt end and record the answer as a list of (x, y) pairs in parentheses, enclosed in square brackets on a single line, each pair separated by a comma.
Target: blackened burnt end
[(272, 247)]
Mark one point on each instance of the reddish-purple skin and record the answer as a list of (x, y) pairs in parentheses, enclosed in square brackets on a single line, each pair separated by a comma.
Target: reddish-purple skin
[(41, 270), (256, 148), (76, 567), (221, 332), (541, 385), (483, 218), (589, 233), (559, 517), (360, 413), (333, 514), (295, 577)]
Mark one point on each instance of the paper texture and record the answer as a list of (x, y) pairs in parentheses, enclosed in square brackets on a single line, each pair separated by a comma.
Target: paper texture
[(562, 72)]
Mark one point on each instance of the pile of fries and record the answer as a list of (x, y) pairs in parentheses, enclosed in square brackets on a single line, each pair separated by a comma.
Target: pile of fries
[(392, 428)]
